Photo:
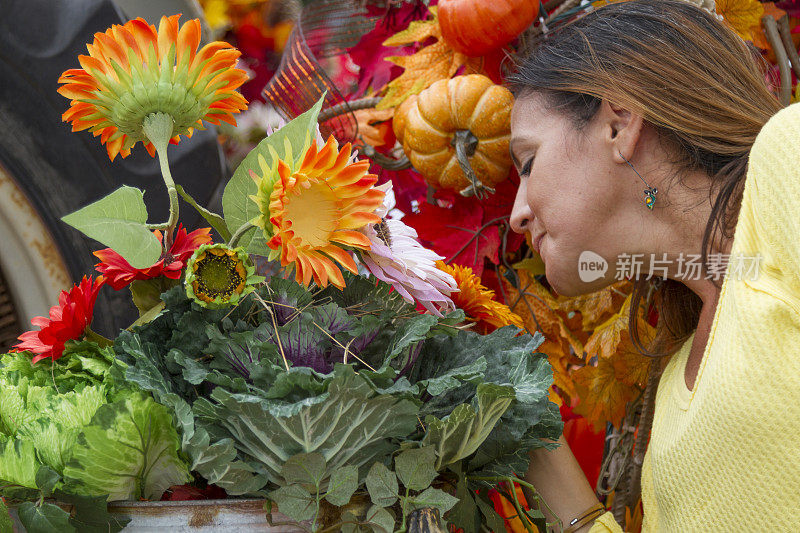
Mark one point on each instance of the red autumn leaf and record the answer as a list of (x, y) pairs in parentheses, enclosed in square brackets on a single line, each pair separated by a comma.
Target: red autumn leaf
[(457, 233), (408, 186), (496, 209), (370, 54)]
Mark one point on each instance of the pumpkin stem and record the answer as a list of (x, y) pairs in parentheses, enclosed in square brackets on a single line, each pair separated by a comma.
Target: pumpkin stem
[(465, 143)]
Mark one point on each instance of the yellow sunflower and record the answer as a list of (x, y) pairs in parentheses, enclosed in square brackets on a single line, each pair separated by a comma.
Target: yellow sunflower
[(134, 71), (478, 301), (315, 210)]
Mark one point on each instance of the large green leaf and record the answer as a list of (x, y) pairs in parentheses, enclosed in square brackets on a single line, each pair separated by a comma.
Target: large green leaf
[(90, 514), (415, 467), (44, 518), (216, 221), (343, 483), (350, 424), (129, 451), (18, 463), (505, 451), (431, 497), (295, 502), (288, 144), (55, 431), (382, 485), (119, 221), (461, 433)]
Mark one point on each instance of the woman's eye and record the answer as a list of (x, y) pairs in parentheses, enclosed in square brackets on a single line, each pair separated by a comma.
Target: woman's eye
[(526, 168)]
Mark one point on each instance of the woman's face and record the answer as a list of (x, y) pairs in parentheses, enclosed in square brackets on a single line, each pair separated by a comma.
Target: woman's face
[(574, 195)]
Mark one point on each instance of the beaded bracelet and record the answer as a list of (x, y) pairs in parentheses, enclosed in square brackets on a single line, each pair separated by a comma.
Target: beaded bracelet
[(590, 514)]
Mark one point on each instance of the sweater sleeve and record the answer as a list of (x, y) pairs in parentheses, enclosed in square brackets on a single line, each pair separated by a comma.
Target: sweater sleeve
[(605, 523), (771, 200)]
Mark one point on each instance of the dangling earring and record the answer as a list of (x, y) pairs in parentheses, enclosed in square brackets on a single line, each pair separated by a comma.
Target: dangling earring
[(649, 192)]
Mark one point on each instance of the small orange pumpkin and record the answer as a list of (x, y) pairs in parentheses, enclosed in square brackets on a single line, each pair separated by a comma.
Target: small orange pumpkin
[(469, 114), (475, 27)]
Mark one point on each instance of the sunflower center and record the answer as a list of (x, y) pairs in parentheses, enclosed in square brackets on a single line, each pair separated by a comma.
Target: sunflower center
[(218, 275), (314, 214)]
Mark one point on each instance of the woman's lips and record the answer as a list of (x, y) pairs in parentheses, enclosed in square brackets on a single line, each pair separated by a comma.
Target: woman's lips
[(537, 243)]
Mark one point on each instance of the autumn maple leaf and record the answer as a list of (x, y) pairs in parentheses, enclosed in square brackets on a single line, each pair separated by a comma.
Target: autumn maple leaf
[(457, 233), (374, 126), (369, 53), (741, 15), (430, 63), (608, 338), (596, 307), (603, 395), (759, 37)]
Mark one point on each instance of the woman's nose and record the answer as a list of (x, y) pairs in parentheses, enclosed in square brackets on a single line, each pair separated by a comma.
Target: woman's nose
[(521, 212)]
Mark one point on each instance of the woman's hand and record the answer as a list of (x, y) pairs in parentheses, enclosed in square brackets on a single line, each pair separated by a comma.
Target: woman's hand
[(559, 480)]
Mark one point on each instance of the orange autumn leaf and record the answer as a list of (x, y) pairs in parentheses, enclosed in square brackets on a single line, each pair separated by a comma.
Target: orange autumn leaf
[(633, 522), (603, 396), (531, 304), (741, 15), (430, 63), (632, 367), (607, 336), (758, 36), (373, 124), (598, 306), (610, 337)]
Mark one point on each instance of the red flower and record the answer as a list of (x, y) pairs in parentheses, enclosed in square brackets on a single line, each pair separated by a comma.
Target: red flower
[(119, 273), (68, 320)]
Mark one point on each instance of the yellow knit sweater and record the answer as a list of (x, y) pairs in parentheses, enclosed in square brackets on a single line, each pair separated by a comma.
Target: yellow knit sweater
[(725, 456)]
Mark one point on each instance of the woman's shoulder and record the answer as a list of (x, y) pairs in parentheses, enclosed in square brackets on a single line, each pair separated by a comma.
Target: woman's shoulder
[(778, 142), (769, 219)]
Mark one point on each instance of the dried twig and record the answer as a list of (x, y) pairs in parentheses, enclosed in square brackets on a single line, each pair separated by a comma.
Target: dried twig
[(774, 38), (345, 348), (788, 44), (348, 107), (645, 425), (275, 326)]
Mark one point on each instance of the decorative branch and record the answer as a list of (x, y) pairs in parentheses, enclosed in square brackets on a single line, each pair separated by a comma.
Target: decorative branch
[(774, 38), (645, 425), (788, 44), (347, 107), (385, 161)]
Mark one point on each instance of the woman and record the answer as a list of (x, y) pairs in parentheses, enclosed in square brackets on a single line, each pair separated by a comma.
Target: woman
[(646, 128)]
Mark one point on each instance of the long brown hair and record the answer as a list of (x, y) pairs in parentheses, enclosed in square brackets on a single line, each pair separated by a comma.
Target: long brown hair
[(690, 77)]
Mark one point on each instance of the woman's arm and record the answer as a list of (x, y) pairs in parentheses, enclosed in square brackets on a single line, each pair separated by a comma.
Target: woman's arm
[(559, 480)]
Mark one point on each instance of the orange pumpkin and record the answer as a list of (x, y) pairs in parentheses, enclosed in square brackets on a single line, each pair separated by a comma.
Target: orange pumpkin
[(466, 113), (475, 27)]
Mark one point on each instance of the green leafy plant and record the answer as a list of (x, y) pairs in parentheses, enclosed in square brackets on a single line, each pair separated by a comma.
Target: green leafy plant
[(70, 430)]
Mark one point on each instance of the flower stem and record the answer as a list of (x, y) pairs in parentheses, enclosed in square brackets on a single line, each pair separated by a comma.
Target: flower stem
[(238, 234), (158, 128)]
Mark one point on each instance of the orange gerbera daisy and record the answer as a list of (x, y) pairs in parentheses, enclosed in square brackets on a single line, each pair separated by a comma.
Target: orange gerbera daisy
[(317, 208), (478, 301), (134, 71)]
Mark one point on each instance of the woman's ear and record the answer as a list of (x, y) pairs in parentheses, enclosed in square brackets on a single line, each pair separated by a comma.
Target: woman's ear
[(621, 129)]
